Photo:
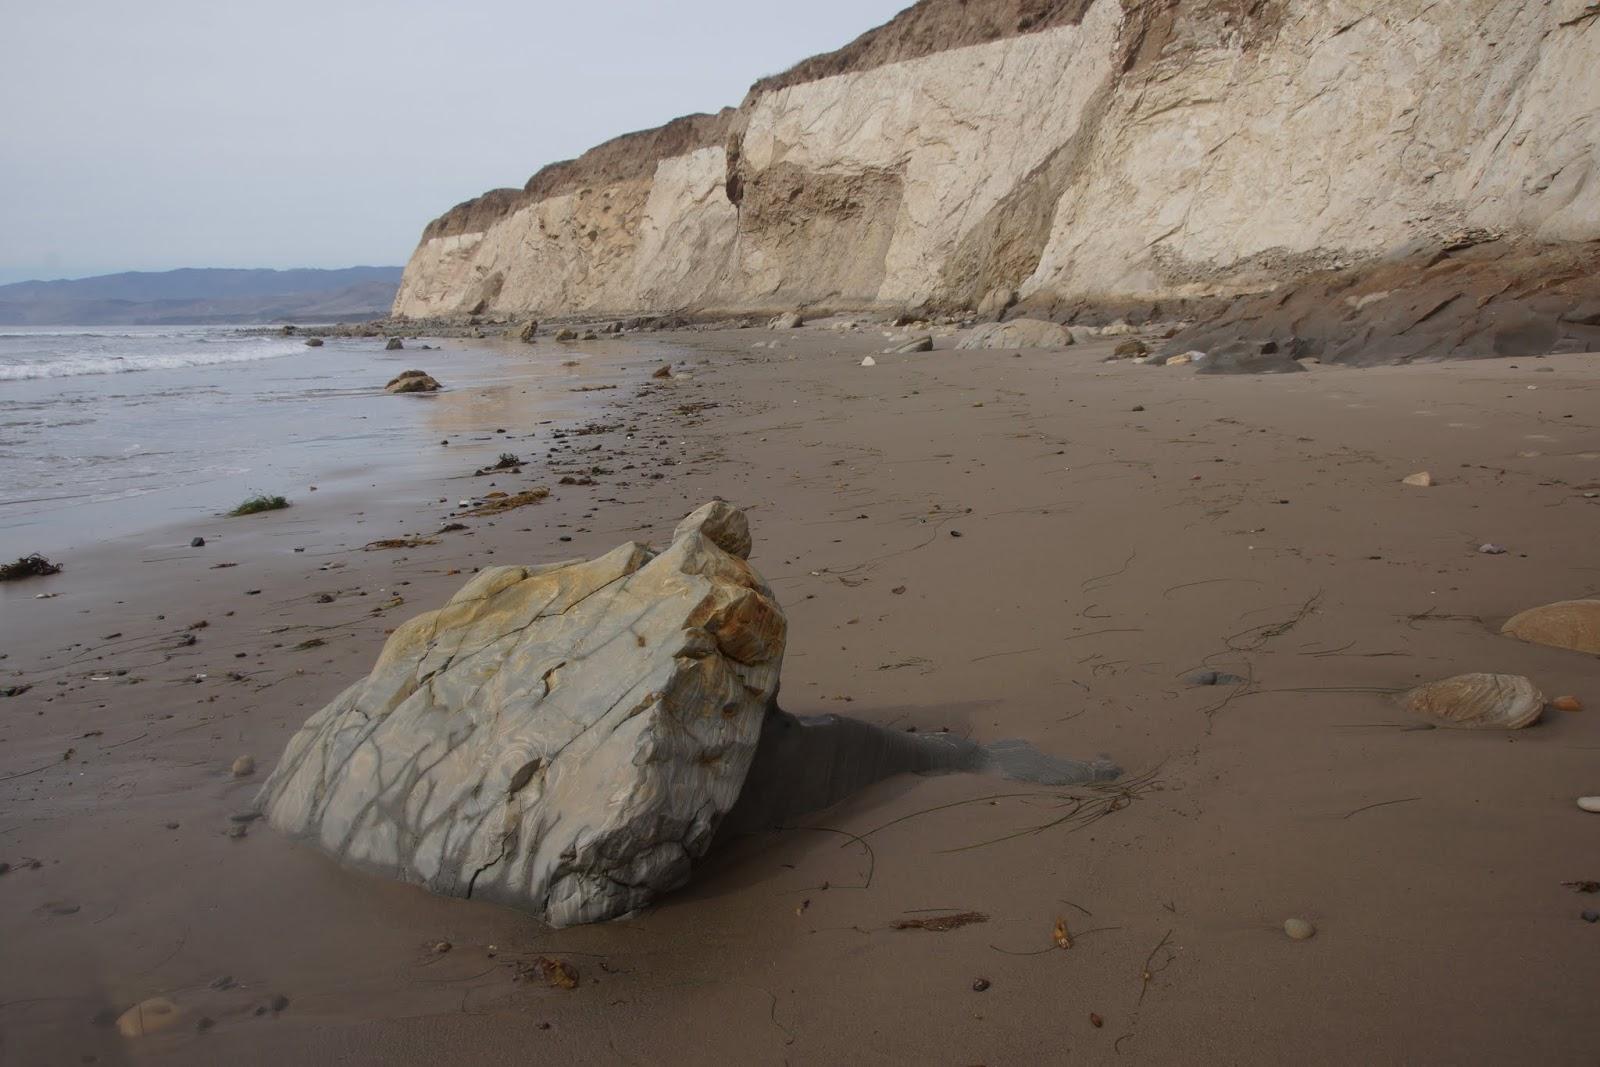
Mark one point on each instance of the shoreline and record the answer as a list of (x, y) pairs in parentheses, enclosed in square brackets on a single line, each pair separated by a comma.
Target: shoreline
[(1121, 528)]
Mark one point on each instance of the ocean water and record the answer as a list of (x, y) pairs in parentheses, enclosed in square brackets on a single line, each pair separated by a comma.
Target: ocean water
[(107, 432)]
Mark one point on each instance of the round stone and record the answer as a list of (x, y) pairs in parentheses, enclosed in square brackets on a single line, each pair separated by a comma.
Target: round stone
[(1589, 803), (1299, 929)]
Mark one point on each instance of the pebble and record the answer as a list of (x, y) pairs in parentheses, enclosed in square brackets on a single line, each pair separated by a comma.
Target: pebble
[(980, 985), (197, 542), (1591, 916), (869, 362), (1492, 549), (244, 766), (1421, 479), (1567, 703), (1299, 929), (1589, 803)]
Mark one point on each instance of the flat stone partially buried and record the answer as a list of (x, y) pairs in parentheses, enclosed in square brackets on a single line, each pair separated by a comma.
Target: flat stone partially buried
[(1478, 702), (564, 738)]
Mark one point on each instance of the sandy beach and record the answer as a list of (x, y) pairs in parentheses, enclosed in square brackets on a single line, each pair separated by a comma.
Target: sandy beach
[(1032, 544)]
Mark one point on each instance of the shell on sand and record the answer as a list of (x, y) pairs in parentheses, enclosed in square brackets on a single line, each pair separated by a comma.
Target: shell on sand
[(1573, 624), (1478, 701)]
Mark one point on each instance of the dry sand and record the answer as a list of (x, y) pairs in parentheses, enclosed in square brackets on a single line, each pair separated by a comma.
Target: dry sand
[(1121, 527)]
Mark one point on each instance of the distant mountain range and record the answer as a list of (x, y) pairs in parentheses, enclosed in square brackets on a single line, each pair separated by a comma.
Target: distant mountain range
[(203, 296)]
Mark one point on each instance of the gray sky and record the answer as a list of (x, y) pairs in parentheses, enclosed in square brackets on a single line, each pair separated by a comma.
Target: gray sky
[(326, 133)]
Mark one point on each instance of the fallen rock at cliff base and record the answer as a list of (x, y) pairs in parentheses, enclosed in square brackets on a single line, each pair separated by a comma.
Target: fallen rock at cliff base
[(563, 738), (1240, 359), (920, 344), (1477, 702), (788, 321), (412, 381), (1018, 333), (1573, 624)]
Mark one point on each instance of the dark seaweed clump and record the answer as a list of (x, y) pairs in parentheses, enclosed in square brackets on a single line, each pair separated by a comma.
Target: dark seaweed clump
[(33, 566)]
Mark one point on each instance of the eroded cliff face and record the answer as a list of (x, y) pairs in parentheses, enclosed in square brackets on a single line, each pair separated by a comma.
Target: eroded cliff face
[(1074, 152)]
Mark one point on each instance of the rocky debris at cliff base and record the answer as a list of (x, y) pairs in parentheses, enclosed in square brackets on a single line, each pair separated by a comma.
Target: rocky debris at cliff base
[(1432, 300), (565, 334), (526, 333), (1246, 359), (394, 344), (1130, 348), (1017, 333), (789, 320), (1572, 624), (1477, 702), (412, 381), (919, 344)]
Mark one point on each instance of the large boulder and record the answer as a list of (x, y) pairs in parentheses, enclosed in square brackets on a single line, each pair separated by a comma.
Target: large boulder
[(1018, 333), (562, 738), (1573, 624)]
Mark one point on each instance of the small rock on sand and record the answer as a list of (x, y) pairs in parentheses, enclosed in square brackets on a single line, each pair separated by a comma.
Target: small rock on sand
[(394, 345), (313, 342), (869, 362), (920, 344), (1421, 480), (147, 1017), (1567, 703), (1299, 929), (1589, 804), (244, 766), (197, 542), (663, 371)]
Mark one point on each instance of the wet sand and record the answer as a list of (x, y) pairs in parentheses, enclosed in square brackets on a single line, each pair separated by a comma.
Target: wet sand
[(1249, 525)]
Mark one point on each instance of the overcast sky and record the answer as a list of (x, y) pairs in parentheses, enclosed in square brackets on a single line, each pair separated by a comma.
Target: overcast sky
[(326, 133)]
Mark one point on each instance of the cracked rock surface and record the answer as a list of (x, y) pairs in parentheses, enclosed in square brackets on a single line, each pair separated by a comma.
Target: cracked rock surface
[(564, 738)]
